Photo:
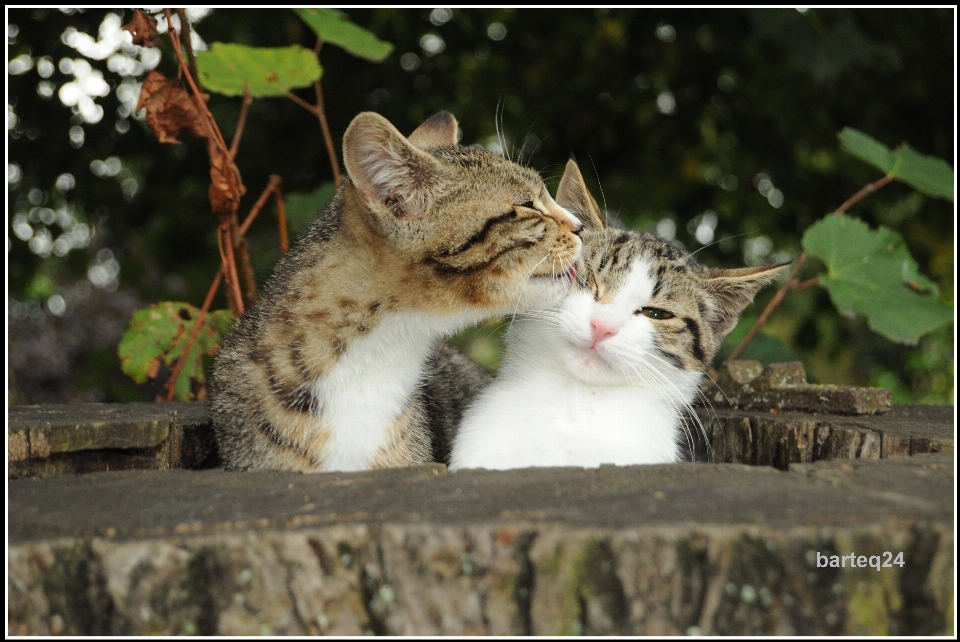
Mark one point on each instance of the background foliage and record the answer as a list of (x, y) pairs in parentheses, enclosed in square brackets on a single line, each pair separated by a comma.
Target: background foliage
[(717, 127)]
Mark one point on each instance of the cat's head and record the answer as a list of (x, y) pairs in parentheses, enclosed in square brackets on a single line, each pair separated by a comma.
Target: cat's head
[(642, 310), (470, 227)]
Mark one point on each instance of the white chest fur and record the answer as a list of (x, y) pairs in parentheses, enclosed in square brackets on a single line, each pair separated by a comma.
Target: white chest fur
[(566, 397), (373, 381), (546, 419)]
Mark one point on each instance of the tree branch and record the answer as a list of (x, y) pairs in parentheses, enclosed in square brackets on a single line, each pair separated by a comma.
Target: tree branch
[(225, 243), (197, 96), (792, 283), (803, 285), (243, 265), (272, 185), (244, 108), (172, 382), (300, 101), (185, 26), (867, 189), (231, 244), (281, 220), (322, 116)]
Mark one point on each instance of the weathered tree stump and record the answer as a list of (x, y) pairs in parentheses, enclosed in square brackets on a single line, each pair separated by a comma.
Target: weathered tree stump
[(163, 542)]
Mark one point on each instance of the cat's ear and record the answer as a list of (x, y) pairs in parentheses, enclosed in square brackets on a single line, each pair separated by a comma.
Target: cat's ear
[(573, 196), (390, 174), (734, 289), (440, 130)]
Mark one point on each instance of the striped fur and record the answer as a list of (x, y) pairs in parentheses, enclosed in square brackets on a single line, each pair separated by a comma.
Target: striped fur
[(327, 371)]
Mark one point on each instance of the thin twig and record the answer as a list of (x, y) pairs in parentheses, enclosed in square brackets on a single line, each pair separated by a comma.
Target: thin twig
[(272, 185), (185, 27), (321, 114), (241, 255), (228, 223), (803, 285), (281, 220), (225, 243), (197, 96), (172, 382), (300, 101), (247, 101), (867, 189)]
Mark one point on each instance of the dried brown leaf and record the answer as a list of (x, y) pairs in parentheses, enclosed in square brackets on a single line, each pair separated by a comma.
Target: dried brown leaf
[(226, 188), (143, 28), (170, 109)]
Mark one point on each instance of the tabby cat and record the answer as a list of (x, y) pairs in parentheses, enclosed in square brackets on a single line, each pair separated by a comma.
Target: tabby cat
[(605, 377), (332, 368)]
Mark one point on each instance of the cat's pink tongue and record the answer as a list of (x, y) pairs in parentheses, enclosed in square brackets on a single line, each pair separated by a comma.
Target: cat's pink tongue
[(572, 274)]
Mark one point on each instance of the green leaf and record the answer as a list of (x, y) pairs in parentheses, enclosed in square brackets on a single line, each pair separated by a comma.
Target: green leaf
[(302, 207), (157, 336), (870, 272), (270, 71), (867, 149), (927, 174), (334, 27)]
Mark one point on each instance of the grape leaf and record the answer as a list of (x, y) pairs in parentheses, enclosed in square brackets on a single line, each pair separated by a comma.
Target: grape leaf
[(157, 336), (271, 71), (870, 272), (302, 207), (334, 26), (867, 149), (927, 174)]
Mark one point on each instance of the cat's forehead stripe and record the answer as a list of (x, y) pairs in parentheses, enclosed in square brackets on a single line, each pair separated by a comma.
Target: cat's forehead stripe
[(675, 278)]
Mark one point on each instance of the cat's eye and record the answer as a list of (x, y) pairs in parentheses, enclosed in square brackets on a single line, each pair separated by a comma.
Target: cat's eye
[(655, 313), (527, 204)]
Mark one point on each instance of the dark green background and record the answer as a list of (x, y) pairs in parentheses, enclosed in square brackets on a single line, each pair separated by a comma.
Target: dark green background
[(564, 81)]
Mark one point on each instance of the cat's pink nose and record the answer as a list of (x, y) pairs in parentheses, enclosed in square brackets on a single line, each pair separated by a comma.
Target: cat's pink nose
[(601, 331)]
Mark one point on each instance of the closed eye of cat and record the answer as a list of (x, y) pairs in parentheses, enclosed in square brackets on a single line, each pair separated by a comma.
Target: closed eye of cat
[(527, 204), (655, 313)]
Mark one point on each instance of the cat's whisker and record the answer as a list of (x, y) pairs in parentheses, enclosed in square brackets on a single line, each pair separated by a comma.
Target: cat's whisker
[(526, 281), (688, 406), (541, 318), (542, 171), (483, 326), (505, 321), (524, 146), (685, 413), (711, 456), (707, 375), (498, 125), (535, 149), (599, 185), (725, 238), (710, 409)]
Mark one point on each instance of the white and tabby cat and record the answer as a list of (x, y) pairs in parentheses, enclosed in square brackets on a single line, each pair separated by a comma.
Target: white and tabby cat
[(605, 377)]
